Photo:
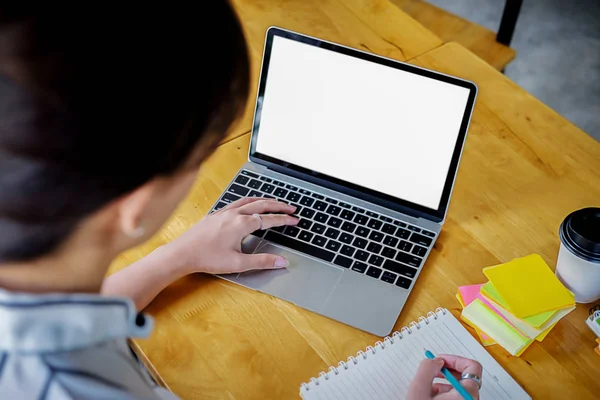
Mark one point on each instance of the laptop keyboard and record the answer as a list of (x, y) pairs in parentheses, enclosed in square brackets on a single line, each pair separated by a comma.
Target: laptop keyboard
[(343, 234)]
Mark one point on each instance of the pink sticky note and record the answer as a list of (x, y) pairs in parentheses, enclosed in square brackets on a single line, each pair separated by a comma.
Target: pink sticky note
[(469, 293)]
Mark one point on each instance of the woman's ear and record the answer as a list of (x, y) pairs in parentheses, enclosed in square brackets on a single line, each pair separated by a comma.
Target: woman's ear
[(133, 207)]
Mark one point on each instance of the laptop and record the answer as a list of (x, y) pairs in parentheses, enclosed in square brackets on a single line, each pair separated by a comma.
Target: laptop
[(367, 148)]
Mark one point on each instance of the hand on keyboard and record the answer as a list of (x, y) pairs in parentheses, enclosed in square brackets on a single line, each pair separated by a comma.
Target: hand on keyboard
[(213, 245)]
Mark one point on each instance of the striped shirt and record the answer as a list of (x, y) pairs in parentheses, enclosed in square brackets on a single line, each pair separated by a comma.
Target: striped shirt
[(72, 346)]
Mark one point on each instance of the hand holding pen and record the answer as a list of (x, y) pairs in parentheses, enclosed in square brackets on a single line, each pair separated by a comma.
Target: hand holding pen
[(463, 373)]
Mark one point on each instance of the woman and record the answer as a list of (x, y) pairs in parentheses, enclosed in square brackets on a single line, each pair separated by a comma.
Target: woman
[(105, 116)]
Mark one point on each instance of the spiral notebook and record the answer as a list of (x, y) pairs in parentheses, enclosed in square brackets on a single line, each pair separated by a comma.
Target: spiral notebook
[(385, 370)]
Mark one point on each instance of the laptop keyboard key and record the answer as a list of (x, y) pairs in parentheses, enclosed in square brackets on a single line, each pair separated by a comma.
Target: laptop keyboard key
[(329, 200), (264, 178), (318, 196), (279, 229), (320, 217), (297, 211), (375, 224), (360, 243), (372, 214), (387, 228), (345, 205), (242, 180), (335, 222), (254, 184), (254, 193), (307, 213), (248, 173), (258, 233), (293, 196), (319, 240), (408, 259), (358, 209), (414, 228), (318, 228), (306, 236), (230, 197), (374, 248), (291, 231), (291, 187), (388, 252), (420, 239), (267, 188), (390, 241), (307, 201), (333, 210), (343, 261), (385, 219), (333, 245), (405, 246), (239, 190), (347, 215), (219, 206), (320, 205), (427, 233), (364, 232), (374, 272), (388, 277), (332, 233), (399, 268), (361, 219), (277, 183), (347, 250), (403, 282), (359, 266), (419, 251), (361, 255), (300, 246), (376, 236), (280, 192), (402, 233), (376, 260), (304, 223), (348, 226), (344, 237)]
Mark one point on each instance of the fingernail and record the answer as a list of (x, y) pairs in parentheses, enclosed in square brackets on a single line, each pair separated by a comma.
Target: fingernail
[(439, 361), (281, 263)]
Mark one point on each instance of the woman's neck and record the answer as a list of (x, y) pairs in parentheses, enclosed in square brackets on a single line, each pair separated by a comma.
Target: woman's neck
[(77, 266)]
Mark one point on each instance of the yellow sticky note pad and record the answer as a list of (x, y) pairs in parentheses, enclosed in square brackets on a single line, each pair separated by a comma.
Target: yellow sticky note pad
[(528, 286), (536, 321)]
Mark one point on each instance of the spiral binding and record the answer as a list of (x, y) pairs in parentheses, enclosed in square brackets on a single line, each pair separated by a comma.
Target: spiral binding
[(387, 341)]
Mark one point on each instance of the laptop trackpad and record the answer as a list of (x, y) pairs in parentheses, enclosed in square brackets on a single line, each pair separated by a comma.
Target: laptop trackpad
[(306, 282)]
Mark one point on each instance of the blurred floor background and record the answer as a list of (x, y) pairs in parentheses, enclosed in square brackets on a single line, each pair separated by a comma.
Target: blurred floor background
[(558, 52)]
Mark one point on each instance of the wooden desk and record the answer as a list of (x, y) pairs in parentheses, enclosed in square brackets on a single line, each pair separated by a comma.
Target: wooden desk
[(376, 26), (523, 170)]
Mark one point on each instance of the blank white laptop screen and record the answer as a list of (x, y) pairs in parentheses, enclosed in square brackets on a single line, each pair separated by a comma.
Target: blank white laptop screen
[(361, 122)]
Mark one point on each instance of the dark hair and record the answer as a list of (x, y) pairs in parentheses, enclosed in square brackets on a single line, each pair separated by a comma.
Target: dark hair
[(96, 102)]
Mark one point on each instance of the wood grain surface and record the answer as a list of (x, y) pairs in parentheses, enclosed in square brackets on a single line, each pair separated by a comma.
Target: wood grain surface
[(524, 168), (375, 26), (452, 28)]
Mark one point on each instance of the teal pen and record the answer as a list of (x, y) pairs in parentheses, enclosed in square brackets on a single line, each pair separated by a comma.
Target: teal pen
[(450, 378)]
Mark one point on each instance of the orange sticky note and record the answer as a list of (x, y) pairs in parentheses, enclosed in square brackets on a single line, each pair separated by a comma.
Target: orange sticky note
[(528, 286)]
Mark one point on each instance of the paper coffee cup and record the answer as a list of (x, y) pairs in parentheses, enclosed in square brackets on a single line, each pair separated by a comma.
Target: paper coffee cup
[(578, 265)]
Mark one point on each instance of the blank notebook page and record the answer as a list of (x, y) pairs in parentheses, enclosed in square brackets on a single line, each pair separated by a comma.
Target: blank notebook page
[(385, 370)]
